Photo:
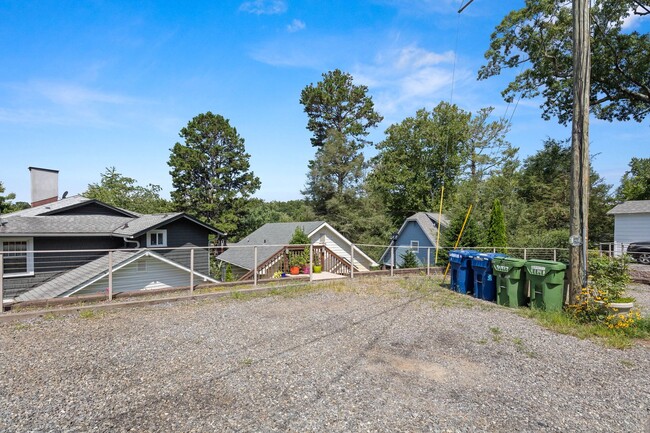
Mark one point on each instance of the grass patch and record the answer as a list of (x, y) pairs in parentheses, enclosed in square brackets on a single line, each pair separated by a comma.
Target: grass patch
[(247, 362), (496, 333), (563, 323), (89, 314), (21, 326)]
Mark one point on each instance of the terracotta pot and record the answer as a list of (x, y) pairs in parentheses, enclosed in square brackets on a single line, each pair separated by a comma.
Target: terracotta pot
[(294, 270)]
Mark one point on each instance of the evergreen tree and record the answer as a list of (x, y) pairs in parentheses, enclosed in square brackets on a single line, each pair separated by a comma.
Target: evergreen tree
[(211, 172), (409, 260), (496, 232), (299, 237)]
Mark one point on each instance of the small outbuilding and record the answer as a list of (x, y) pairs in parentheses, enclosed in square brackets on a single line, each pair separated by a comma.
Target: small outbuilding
[(631, 223)]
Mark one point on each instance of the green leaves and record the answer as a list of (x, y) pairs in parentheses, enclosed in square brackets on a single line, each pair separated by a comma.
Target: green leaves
[(540, 35), (211, 172), (635, 183), (123, 192)]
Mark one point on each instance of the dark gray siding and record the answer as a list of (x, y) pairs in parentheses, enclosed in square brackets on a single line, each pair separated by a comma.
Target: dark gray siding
[(89, 209), (49, 265), (184, 233)]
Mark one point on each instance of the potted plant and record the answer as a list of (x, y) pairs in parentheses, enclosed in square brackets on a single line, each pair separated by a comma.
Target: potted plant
[(296, 261), (306, 266), (317, 266)]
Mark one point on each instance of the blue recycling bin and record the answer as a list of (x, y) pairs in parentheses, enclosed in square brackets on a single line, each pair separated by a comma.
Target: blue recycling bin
[(484, 280), (462, 279)]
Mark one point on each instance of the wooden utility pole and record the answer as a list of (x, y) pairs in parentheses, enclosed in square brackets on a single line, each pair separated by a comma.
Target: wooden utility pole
[(579, 207)]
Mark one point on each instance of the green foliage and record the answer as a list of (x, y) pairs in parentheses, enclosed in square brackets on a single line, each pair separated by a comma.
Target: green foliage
[(335, 103), (495, 235), (211, 172), (540, 34), (409, 260), (418, 157), (471, 236), (299, 237), (610, 275), (340, 117), (635, 183), (123, 192), (229, 275), (544, 185), (6, 205)]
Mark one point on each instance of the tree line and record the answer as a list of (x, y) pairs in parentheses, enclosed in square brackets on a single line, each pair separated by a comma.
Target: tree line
[(442, 153)]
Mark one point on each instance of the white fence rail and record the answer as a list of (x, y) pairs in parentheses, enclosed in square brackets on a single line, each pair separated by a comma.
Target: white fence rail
[(27, 276)]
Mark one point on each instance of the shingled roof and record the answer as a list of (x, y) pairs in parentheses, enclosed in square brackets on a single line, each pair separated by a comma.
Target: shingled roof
[(631, 207), (46, 220)]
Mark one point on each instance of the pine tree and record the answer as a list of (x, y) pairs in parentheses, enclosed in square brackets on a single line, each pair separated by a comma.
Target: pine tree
[(496, 232), (409, 260)]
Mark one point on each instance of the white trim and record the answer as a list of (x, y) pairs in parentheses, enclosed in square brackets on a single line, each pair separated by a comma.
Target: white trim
[(344, 239), (131, 260), (415, 246), (29, 253), (156, 232)]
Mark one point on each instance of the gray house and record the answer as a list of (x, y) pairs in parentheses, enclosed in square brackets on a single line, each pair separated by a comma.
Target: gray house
[(42, 243), (272, 238), (418, 234), (631, 223)]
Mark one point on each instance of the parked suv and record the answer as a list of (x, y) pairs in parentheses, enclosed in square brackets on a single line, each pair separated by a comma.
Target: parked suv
[(640, 251)]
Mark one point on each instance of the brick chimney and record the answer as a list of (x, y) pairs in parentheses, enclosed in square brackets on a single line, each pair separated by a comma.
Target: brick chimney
[(45, 185)]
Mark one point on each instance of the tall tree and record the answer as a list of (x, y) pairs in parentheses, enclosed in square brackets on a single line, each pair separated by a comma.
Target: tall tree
[(336, 103), (495, 235), (340, 117), (124, 192), (418, 156), (211, 172), (540, 34), (635, 183)]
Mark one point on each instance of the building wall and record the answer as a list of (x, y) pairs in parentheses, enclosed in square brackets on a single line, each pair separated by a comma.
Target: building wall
[(145, 273), (184, 233), (339, 247), (630, 228)]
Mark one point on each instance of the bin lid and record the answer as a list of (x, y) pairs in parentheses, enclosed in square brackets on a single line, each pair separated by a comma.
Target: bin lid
[(534, 266), (509, 261), (490, 256), (466, 253)]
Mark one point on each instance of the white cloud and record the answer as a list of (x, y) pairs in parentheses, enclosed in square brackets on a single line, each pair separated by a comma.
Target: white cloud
[(264, 7), (632, 21), (295, 26), (408, 78)]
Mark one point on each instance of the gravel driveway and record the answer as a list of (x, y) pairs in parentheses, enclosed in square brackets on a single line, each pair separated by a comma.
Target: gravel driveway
[(373, 355)]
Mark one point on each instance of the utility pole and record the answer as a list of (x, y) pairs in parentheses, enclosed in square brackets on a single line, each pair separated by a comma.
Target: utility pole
[(579, 196)]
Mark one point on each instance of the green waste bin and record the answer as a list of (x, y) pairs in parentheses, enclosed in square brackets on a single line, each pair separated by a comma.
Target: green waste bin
[(510, 281), (547, 288)]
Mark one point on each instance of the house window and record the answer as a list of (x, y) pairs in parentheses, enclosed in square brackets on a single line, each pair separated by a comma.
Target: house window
[(157, 238), (415, 246), (18, 256)]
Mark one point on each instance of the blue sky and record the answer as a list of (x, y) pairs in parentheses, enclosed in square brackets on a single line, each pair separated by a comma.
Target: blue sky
[(85, 85)]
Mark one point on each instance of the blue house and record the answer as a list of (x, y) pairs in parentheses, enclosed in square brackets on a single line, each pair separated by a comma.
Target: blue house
[(417, 234)]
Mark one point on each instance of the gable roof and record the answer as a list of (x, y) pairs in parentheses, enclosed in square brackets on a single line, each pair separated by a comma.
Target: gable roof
[(80, 277), (47, 220), (428, 222), (269, 238), (631, 207)]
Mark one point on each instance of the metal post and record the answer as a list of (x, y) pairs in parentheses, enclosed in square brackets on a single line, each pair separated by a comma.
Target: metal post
[(192, 271), (524, 253), (2, 292), (352, 261), (311, 262), (255, 265), (555, 254), (110, 275), (392, 260), (428, 259)]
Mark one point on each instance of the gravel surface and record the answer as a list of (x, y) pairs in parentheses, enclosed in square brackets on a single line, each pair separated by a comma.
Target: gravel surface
[(363, 356)]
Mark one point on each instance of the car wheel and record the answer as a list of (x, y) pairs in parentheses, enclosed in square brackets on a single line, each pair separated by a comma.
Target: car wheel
[(644, 258)]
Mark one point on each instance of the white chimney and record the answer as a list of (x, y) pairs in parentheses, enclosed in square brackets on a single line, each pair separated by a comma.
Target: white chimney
[(45, 185)]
